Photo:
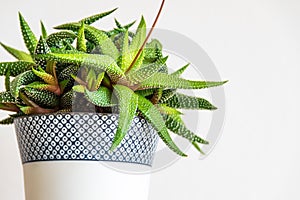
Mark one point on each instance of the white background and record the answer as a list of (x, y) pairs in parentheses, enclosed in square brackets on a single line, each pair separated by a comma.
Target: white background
[(254, 44)]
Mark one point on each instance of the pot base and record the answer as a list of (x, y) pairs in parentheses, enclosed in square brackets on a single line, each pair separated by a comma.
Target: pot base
[(82, 180)]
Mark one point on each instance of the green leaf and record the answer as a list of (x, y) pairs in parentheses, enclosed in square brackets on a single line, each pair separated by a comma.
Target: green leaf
[(26, 100), (182, 101), (81, 44), (48, 78), (98, 37), (7, 121), (42, 86), (78, 80), (22, 79), (79, 88), (118, 23), (153, 51), (66, 74), (167, 94), (123, 28), (103, 62), (128, 103), (102, 97), (164, 109), (107, 82), (114, 32), (153, 115), (98, 81), (63, 84), (16, 68), (180, 71), (57, 39), (94, 18), (28, 110), (7, 80), (91, 78), (139, 37), (138, 63), (101, 40), (146, 92), (41, 48), (10, 120), (156, 96), (67, 47), (42, 98), (28, 36), (125, 59), (198, 148), (20, 55), (44, 31), (127, 26), (146, 72), (136, 43), (175, 124), (161, 80), (66, 100), (6, 97), (37, 85)]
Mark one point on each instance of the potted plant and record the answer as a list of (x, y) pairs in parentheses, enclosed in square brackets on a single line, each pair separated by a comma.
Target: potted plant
[(83, 94)]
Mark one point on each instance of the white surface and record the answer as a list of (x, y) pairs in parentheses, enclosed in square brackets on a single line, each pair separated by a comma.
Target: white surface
[(254, 44), (78, 180)]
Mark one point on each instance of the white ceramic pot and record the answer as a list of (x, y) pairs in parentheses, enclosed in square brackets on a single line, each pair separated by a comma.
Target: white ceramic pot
[(67, 157)]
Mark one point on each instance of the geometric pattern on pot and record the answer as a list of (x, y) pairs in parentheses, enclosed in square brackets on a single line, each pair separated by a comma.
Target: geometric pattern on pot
[(83, 136)]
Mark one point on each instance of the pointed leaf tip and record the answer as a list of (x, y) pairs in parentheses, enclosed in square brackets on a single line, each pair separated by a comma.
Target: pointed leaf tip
[(18, 54), (96, 17), (152, 114), (44, 31), (28, 36)]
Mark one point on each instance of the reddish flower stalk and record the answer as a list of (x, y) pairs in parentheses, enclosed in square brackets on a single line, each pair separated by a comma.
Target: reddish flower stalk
[(148, 36)]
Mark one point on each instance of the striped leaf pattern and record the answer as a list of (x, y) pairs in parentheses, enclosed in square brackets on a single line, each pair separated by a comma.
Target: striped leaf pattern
[(98, 37), (81, 44), (127, 102), (43, 98), (66, 100), (15, 68), (153, 115), (161, 80), (102, 97), (103, 62), (18, 54), (94, 18), (57, 39), (6, 97), (182, 101), (21, 80), (175, 124), (146, 72), (28, 36)]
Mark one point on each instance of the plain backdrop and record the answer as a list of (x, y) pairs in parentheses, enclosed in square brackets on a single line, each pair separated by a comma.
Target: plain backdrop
[(254, 44)]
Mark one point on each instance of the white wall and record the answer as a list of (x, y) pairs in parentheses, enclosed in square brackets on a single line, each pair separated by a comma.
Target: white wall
[(254, 44)]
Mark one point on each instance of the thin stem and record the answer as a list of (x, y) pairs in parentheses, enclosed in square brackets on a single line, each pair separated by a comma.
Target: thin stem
[(148, 36)]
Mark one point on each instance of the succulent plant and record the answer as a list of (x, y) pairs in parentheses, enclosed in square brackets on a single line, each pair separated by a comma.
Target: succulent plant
[(113, 71)]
